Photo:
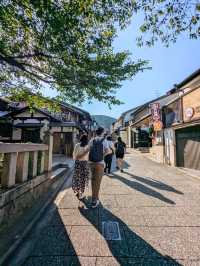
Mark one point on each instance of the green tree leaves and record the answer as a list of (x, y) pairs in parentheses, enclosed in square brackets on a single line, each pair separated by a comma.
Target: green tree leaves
[(165, 20), (64, 45)]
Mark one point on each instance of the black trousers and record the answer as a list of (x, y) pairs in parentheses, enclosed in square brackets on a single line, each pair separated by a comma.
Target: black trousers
[(108, 162)]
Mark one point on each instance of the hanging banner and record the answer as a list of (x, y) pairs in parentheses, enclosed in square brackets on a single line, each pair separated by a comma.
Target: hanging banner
[(156, 116), (155, 111)]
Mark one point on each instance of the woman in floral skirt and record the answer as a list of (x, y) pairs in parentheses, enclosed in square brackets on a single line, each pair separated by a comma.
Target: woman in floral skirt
[(81, 170)]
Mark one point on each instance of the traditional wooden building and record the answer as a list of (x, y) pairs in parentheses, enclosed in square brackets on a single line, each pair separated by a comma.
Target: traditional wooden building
[(30, 125), (182, 126), (142, 127)]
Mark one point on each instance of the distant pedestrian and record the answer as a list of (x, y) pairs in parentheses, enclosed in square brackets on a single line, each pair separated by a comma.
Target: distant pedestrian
[(98, 148), (108, 157), (120, 149), (81, 171)]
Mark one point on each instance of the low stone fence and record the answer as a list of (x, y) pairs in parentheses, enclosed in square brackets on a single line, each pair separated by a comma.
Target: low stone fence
[(20, 162), (25, 176)]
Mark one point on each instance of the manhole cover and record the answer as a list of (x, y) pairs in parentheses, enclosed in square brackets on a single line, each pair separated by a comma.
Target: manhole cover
[(111, 230)]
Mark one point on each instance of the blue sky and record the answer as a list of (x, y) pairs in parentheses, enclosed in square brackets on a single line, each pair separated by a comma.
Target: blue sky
[(169, 66)]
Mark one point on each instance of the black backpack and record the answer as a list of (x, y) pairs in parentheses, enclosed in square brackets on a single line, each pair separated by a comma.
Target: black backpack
[(96, 151), (120, 148)]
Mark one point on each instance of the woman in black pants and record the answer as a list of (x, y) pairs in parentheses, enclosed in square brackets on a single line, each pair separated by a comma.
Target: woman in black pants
[(120, 149), (109, 155)]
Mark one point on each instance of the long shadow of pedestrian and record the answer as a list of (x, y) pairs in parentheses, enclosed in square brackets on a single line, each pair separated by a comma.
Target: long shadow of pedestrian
[(48, 244), (142, 188), (131, 249), (154, 183), (114, 169)]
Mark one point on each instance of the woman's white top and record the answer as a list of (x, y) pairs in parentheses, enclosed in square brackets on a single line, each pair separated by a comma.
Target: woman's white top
[(111, 147), (78, 150)]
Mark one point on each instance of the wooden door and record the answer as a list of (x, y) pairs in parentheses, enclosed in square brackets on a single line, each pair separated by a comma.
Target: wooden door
[(31, 135), (69, 145), (188, 147), (57, 143)]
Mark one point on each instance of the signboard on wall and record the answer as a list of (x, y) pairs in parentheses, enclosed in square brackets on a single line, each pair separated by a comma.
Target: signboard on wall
[(157, 125), (189, 112), (191, 106)]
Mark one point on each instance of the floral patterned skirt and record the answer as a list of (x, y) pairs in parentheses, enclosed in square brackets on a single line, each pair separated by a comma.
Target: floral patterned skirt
[(81, 176)]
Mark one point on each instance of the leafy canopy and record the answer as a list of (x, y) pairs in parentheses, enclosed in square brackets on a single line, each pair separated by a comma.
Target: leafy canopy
[(165, 20), (64, 45), (67, 44)]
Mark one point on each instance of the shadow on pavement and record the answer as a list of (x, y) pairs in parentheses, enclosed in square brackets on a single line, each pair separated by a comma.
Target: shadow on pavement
[(142, 188), (48, 244), (131, 249), (154, 183), (114, 164)]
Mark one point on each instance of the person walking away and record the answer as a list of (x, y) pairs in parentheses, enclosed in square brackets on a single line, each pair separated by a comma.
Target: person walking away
[(109, 155), (81, 170), (120, 148), (98, 147)]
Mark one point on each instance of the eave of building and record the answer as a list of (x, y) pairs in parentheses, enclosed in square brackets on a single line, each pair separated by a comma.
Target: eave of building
[(76, 110), (181, 96), (64, 124), (28, 125), (188, 79), (24, 109), (67, 125), (141, 119), (69, 107), (180, 125), (4, 114), (145, 105)]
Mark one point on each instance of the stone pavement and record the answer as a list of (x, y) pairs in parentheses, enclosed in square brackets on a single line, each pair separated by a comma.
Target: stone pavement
[(158, 211)]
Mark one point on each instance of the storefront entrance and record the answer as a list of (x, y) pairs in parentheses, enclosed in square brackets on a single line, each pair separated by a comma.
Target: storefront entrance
[(188, 147), (142, 138), (31, 135), (63, 143)]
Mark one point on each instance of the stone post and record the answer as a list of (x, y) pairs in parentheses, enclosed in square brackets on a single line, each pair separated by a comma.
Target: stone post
[(34, 161), (9, 170), (22, 167), (48, 139), (41, 170)]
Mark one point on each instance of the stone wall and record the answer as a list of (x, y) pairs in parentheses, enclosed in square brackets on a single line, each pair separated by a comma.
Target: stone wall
[(14, 202), (156, 153)]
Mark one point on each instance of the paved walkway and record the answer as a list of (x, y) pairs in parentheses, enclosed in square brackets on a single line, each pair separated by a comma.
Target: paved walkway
[(157, 209)]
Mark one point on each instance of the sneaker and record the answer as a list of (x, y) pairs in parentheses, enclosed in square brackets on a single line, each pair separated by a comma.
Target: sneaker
[(80, 196), (95, 204)]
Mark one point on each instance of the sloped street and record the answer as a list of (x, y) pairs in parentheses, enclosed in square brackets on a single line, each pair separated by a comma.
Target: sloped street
[(155, 207)]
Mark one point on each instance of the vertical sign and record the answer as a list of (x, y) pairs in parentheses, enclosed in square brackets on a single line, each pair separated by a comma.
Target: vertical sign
[(155, 111), (156, 116)]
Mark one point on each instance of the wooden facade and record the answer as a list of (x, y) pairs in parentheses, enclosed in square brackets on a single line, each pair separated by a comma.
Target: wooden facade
[(24, 125), (182, 130)]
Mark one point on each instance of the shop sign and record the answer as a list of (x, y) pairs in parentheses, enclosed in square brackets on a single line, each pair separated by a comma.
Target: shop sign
[(157, 125), (189, 112), (155, 111)]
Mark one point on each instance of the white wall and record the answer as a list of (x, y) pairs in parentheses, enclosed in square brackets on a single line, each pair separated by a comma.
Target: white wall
[(123, 135), (170, 147), (17, 134)]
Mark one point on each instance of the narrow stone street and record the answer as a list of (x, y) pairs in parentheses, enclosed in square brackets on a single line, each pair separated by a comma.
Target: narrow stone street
[(156, 207)]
